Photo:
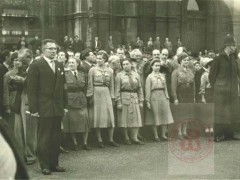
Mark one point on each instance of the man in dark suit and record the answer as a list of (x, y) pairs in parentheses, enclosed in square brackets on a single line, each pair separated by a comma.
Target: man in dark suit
[(77, 45), (48, 101), (97, 45), (4, 65), (224, 79), (89, 60)]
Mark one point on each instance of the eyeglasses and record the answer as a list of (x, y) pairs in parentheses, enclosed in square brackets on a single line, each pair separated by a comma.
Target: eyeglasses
[(51, 48)]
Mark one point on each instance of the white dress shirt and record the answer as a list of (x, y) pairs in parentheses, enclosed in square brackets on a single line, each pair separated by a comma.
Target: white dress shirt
[(51, 63)]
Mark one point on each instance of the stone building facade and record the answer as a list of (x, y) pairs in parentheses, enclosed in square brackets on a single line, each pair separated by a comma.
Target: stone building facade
[(201, 24)]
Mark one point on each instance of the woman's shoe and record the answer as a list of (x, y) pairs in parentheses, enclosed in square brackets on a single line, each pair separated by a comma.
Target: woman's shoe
[(100, 145), (157, 139), (75, 148), (86, 147), (180, 137), (113, 143), (127, 142), (138, 142)]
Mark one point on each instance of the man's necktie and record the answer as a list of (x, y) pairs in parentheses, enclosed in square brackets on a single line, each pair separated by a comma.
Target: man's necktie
[(130, 80), (52, 65), (75, 74)]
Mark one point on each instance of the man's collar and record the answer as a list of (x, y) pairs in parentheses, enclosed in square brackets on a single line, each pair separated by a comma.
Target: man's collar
[(47, 59)]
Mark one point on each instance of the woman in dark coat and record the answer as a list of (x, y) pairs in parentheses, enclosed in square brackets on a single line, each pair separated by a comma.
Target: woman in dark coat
[(223, 78), (77, 117)]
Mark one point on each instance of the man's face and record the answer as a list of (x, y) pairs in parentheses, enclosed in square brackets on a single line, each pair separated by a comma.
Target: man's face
[(61, 57), (50, 50), (179, 50), (76, 38), (91, 58), (70, 54), (120, 54), (164, 55), (116, 63), (77, 55), (156, 55)]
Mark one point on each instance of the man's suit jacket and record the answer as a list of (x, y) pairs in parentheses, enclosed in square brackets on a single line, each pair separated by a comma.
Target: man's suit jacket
[(3, 71), (45, 89)]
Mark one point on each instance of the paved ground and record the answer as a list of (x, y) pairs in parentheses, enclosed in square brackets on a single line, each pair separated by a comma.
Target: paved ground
[(151, 161)]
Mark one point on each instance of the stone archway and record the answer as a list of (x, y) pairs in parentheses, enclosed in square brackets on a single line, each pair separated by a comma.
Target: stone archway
[(205, 28)]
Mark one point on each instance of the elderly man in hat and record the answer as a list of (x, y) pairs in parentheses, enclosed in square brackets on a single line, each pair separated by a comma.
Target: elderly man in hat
[(223, 78)]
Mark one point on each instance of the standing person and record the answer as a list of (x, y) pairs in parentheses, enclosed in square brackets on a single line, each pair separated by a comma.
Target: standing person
[(223, 78), (129, 97), (139, 44), (157, 100), (4, 66), (77, 117), (168, 46), (157, 44), (10, 90), (183, 90), (110, 47), (97, 45), (66, 43), (206, 91), (179, 43), (89, 60), (101, 94), (150, 43), (48, 101), (35, 44), (77, 44)]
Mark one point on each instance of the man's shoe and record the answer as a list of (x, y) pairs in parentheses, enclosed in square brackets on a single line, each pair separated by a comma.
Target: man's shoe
[(100, 145), (113, 143), (62, 150), (86, 147), (46, 172), (58, 169)]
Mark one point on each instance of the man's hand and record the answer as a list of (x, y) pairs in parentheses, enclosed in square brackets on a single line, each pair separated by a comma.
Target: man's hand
[(65, 111), (141, 105)]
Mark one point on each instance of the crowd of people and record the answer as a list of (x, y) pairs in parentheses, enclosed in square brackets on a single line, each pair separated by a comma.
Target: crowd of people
[(68, 90)]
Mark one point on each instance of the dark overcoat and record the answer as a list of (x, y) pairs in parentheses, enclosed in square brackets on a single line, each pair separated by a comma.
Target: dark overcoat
[(45, 89), (223, 78)]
